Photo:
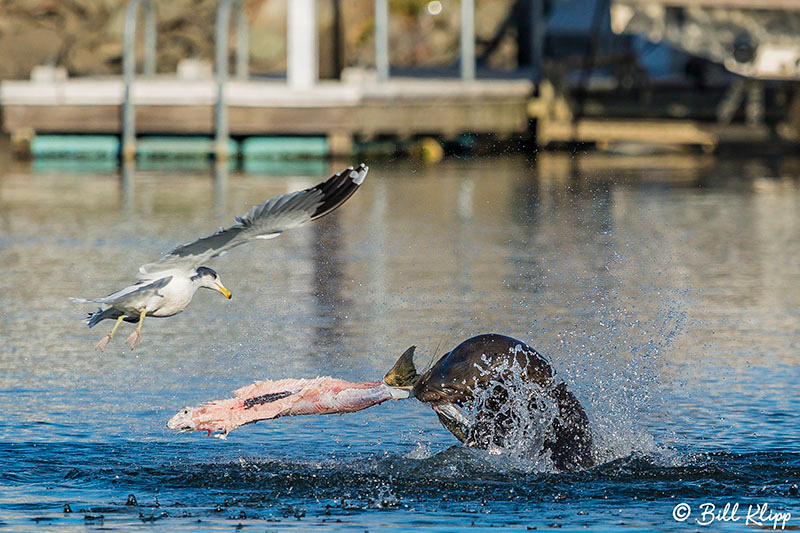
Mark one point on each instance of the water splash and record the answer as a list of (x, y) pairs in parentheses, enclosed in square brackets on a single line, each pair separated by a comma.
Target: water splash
[(623, 322), (527, 409), (421, 451), (623, 387)]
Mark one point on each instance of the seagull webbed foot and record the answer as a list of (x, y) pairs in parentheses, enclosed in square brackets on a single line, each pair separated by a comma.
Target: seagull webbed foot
[(134, 339), (102, 343), (105, 340)]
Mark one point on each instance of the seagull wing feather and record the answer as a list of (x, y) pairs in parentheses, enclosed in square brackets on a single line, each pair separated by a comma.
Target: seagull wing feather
[(140, 289), (263, 221)]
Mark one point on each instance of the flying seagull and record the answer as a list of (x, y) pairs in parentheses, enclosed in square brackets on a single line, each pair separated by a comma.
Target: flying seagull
[(166, 287)]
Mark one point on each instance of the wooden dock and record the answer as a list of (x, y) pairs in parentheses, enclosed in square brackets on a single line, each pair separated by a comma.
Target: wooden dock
[(556, 123), (400, 108), (343, 113)]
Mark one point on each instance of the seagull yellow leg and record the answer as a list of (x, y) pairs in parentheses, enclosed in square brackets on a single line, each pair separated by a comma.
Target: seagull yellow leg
[(136, 337), (105, 340)]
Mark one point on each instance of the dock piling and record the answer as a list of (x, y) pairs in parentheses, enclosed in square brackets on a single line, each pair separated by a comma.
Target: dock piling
[(301, 45), (382, 40), (128, 151), (221, 128), (149, 64), (242, 45), (467, 40), (340, 144)]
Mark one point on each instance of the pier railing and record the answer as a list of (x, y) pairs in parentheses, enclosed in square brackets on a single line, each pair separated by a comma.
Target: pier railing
[(242, 52), (129, 67), (301, 64)]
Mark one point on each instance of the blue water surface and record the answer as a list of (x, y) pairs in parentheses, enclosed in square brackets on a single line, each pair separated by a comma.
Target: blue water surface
[(665, 291)]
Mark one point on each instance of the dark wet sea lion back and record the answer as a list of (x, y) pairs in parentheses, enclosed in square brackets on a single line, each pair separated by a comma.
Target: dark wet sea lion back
[(455, 375), (479, 364)]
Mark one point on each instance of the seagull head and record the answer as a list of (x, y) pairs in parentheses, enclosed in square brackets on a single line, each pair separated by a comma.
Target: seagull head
[(207, 278)]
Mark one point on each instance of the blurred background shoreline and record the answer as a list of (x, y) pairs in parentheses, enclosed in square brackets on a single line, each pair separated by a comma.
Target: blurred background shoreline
[(271, 79)]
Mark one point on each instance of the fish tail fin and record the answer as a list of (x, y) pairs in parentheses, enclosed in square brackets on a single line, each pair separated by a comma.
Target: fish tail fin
[(403, 373)]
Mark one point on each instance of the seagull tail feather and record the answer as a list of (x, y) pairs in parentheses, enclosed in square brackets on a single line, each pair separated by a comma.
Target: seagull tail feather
[(101, 314)]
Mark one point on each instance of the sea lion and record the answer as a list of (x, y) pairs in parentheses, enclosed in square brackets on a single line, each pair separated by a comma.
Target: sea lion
[(495, 367), (483, 390)]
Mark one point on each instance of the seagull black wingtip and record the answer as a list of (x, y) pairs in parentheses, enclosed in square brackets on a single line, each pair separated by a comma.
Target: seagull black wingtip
[(338, 188)]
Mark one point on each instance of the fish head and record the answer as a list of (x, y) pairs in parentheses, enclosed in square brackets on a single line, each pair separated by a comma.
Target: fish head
[(183, 420)]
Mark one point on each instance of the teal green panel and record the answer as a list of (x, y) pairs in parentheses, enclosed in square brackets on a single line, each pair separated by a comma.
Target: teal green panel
[(285, 147), (179, 147), (88, 146)]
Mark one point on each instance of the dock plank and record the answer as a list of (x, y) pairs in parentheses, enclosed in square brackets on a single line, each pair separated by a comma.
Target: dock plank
[(402, 107)]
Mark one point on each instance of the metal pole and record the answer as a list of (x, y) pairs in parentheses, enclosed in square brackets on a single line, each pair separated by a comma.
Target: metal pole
[(149, 38), (301, 46), (382, 39), (337, 40), (538, 29), (467, 40), (129, 75), (242, 44), (221, 108)]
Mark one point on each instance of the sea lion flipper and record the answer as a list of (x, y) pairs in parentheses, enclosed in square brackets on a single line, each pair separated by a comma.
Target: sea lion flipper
[(403, 373)]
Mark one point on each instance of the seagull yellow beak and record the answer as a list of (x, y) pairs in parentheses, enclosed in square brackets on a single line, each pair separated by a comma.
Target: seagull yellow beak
[(225, 292)]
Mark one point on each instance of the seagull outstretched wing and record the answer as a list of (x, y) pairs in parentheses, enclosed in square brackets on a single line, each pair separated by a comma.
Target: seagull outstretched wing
[(134, 291), (263, 221)]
